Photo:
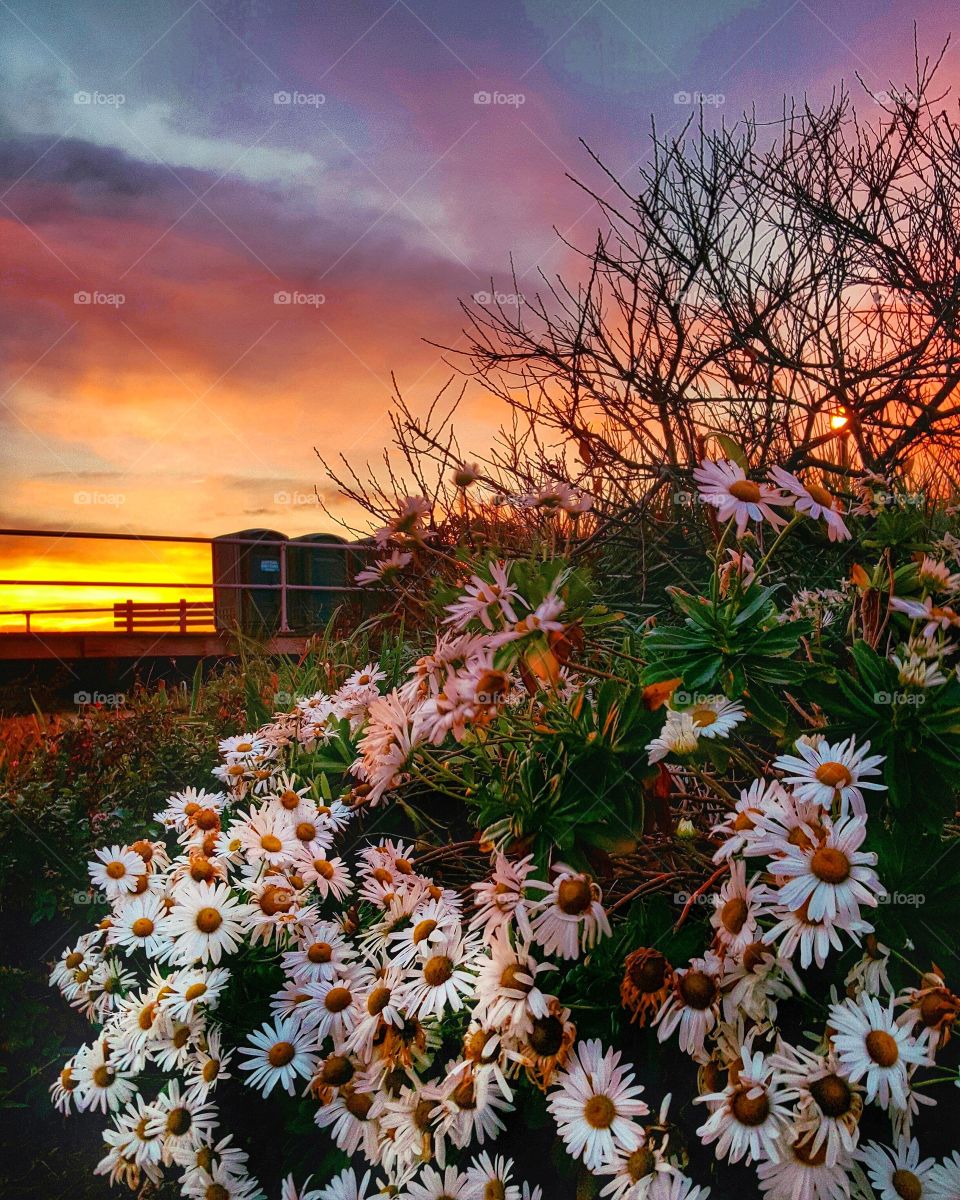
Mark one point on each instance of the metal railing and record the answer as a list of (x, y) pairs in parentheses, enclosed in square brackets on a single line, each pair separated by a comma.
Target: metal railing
[(283, 586)]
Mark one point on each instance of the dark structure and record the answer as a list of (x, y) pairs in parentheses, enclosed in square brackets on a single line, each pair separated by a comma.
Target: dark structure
[(248, 581)]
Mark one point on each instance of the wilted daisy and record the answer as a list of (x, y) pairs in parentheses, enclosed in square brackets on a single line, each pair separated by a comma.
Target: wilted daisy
[(871, 1046), (206, 922), (595, 1103), (749, 1115), (647, 978), (692, 1005), (570, 919), (724, 485), (384, 570), (897, 1173), (826, 773), (279, 1053), (680, 735), (813, 500), (829, 1105), (935, 616), (500, 899)]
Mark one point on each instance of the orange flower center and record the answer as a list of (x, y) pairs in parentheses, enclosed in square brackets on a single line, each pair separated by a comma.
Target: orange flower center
[(574, 896), (882, 1047), (600, 1112), (834, 774), (280, 1053), (830, 865), (209, 920), (746, 490)]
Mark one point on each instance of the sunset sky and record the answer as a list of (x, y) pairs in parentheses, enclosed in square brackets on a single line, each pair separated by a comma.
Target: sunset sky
[(167, 169)]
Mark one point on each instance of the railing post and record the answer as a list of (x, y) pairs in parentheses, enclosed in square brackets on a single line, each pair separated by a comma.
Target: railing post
[(284, 627), (27, 615), (129, 616), (183, 616)]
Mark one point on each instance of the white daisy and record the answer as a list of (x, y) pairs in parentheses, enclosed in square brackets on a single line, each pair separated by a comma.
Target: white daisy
[(801, 1173), (449, 1184), (280, 1054), (724, 485), (116, 871), (943, 1181), (140, 925), (825, 773), (830, 877), (897, 1173), (489, 1178), (749, 1114), (595, 1104), (871, 1046), (206, 922)]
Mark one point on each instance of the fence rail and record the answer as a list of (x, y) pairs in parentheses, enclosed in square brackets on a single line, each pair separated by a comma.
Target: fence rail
[(180, 613)]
